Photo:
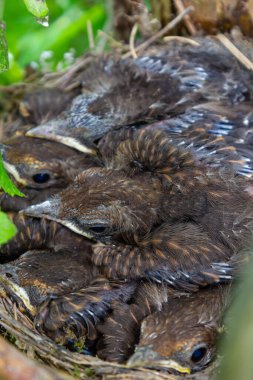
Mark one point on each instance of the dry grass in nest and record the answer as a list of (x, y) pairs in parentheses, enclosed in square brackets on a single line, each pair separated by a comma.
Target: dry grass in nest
[(19, 329)]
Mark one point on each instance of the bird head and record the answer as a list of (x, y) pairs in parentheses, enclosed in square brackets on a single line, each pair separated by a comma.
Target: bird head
[(160, 348), (185, 330), (29, 280), (39, 164), (104, 204), (77, 127), (122, 94)]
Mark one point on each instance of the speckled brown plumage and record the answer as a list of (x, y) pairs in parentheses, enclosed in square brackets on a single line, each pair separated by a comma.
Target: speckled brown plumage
[(123, 323), (161, 212), (76, 314), (62, 291), (40, 168), (185, 330), (217, 134), (45, 273), (165, 81), (104, 104), (39, 234), (181, 327)]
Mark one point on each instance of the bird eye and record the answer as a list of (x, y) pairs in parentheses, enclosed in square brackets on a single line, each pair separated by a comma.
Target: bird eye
[(198, 354), (41, 177), (98, 229)]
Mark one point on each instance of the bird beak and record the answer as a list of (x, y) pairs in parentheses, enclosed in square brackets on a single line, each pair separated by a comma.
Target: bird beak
[(11, 169), (60, 131), (48, 209), (146, 357), (19, 294), (3, 148)]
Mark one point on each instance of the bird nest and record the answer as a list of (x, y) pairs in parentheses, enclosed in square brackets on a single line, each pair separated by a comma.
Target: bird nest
[(19, 329), (56, 361)]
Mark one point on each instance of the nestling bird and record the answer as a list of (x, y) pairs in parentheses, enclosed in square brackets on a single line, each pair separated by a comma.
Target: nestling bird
[(39, 274), (202, 66), (76, 314), (123, 323), (36, 234), (62, 291), (111, 98), (185, 330), (164, 329), (119, 92), (218, 134), (41, 168), (160, 213)]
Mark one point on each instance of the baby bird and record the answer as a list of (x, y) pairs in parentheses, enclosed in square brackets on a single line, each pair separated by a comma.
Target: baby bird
[(179, 333), (40, 164), (119, 92), (159, 212), (79, 297), (115, 93), (40, 168), (185, 330), (39, 274), (123, 323), (36, 234), (219, 135)]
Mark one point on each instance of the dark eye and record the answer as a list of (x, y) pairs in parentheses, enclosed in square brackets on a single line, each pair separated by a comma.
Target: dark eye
[(98, 229), (41, 177), (198, 354)]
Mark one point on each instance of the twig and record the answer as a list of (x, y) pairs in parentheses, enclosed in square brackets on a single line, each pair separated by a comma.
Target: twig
[(100, 47), (236, 52), (161, 32), (15, 311), (63, 79), (90, 35), (189, 24), (110, 38), (132, 39), (181, 39)]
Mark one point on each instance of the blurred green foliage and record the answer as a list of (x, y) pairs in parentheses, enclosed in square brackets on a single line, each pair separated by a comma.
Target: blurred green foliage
[(6, 184), (53, 47), (38, 8), (237, 363), (4, 63), (7, 229)]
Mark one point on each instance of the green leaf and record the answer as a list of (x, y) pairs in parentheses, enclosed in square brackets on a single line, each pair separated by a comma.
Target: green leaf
[(61, 34), (6, 184), (7, 228), (38, 8), (4, 62)]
